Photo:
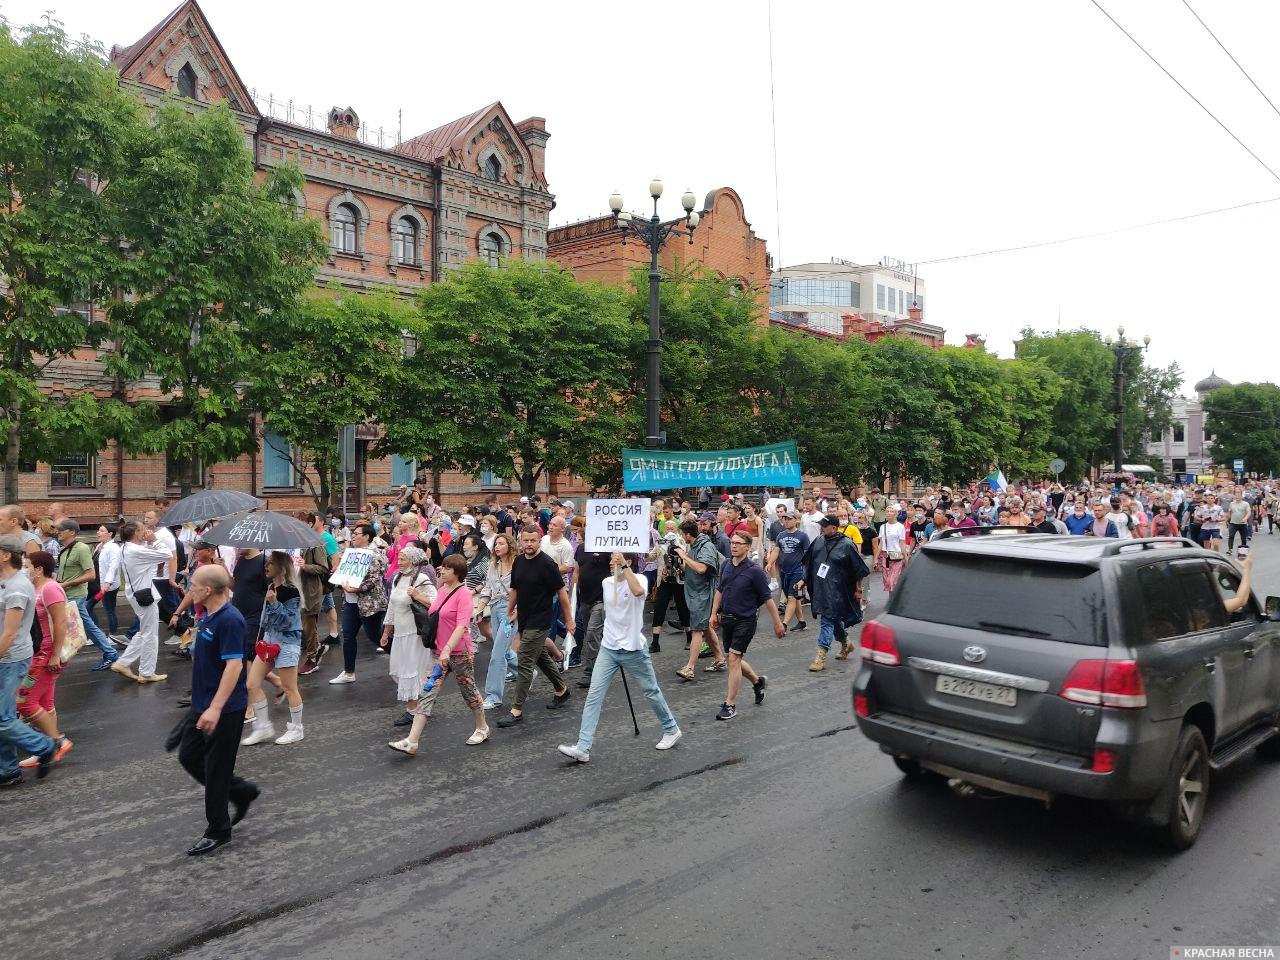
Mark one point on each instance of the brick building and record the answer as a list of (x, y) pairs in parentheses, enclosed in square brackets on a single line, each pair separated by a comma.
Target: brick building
[(723, 243), (398, 215)]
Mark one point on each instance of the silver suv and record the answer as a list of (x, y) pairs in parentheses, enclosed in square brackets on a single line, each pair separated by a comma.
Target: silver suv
[(1043, 665)]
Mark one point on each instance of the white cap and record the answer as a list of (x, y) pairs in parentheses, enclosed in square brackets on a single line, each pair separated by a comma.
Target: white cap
[(569, 504), (466, 520), (524, 499)]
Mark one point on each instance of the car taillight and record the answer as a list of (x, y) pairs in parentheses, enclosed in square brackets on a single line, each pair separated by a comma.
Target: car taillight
[(1104, 761), (860, 705), (1106, 683), (879, 645)]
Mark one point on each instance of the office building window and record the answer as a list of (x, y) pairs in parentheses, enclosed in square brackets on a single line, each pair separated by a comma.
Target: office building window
[(73, 470), (1179, 432), (403, 472), (879, 296), (277, 462), (813, 293)]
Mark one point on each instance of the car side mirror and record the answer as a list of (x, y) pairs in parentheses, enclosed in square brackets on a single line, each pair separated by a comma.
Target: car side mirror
[(1273, 609)]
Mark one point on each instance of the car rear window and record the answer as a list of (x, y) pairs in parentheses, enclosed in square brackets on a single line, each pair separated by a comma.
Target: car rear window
[(1051, 600)]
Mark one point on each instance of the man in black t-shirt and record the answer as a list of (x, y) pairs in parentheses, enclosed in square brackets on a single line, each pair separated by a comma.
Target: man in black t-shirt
[(592, 568), (536, 581)]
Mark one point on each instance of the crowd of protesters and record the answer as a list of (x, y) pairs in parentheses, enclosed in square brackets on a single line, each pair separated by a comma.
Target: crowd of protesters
[(514, 576)]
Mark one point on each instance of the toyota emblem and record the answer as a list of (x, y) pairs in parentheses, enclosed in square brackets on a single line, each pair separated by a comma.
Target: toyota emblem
[(975, 654)]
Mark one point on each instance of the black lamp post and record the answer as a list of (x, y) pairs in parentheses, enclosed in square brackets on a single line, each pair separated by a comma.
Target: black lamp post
[(1122, 348), (654, 233)]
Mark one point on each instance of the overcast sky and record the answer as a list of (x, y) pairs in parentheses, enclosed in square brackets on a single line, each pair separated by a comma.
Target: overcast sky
[(917, 129)]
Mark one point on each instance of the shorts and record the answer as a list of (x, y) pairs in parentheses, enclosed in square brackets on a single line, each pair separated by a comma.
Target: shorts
[(789, 579), (290, 655), (1207, 534), (327, 603), (736, 632)]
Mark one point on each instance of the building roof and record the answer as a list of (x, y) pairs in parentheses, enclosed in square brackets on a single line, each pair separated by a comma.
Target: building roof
[(1211, 382), (435, 145)]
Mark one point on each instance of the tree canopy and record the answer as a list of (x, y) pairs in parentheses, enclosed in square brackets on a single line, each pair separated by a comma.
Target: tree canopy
[(1244, 421)]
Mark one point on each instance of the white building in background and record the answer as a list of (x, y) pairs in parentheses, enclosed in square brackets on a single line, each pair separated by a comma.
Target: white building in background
[(817, 296), (1185, 446)]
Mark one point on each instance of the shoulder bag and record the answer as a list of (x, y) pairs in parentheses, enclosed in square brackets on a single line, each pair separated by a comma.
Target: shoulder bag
[(428, 621)]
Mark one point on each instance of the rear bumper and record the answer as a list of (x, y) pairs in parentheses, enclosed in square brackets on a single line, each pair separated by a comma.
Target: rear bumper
[(1140, 765)]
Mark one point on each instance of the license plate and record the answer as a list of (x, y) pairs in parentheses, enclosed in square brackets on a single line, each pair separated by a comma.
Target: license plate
[(987, 692)]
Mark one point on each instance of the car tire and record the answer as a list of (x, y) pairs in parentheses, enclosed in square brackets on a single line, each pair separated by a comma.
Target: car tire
[(910, 767), (1179, 808)]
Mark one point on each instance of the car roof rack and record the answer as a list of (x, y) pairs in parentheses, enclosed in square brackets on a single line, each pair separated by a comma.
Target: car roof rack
[(1146, 543), (982, 531)]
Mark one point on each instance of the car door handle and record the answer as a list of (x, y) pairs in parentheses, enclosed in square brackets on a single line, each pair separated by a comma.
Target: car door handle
[(1249, 652), (1211, 664)]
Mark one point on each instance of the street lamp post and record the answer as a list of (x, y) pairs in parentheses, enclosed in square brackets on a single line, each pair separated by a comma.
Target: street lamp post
[(654, 233), (1122, 348)]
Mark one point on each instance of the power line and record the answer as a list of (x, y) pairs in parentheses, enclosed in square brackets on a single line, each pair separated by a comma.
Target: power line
[(1181, 87), (773, 126), (1239, 67)]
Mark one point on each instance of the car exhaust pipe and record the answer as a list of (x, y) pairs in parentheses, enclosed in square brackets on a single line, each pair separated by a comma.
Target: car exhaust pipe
[(962, 788)]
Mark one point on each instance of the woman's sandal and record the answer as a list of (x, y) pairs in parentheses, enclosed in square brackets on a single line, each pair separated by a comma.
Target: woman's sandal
[(404, 746), (478, 737)]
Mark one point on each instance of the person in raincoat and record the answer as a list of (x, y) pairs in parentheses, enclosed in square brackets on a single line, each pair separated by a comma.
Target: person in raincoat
[(833, 570)]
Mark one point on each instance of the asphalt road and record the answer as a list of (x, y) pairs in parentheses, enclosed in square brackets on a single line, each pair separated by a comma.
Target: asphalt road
[(781, 834)]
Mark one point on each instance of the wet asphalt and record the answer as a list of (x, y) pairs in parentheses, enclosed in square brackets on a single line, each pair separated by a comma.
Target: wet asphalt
[(780, 834)]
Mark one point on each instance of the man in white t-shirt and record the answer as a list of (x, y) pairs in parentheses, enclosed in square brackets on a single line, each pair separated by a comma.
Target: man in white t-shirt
[(622, 648), (811, 520), (559, 548), (1120, 519)]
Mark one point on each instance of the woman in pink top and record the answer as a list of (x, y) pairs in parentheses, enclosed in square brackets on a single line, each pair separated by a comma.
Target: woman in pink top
[(454, 655), (35, 698)]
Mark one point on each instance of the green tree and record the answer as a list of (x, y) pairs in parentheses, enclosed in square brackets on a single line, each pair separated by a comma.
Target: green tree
[(1032, 394), (1244, 421), (64, 126), (326, 368), (707, 331), (973, 422), (217, 264), (811, 391), (1084, 415), (903, 416), (521, 370)]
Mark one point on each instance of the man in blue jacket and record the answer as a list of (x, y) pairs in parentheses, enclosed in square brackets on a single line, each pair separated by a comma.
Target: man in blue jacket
[(833, 570)]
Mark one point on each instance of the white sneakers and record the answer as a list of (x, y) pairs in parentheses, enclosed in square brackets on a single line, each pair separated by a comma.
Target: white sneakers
[(292, 734), (669, 740), (344, 677), (573, 753), (259, 735)]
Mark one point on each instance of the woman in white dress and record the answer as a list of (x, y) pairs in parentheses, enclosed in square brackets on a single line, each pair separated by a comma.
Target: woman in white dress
[(410, 661)]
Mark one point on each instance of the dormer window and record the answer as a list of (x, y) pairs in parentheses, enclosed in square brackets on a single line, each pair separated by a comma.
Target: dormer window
[(493, 168), (186, 82)]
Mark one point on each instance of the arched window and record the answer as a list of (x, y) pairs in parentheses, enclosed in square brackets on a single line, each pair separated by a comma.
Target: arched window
[(187, 82), (493, 168), (342, 228), (491, 248), (404, 240)]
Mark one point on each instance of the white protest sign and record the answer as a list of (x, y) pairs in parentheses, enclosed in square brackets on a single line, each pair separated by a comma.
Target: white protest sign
[(353, 567), (621, 525)]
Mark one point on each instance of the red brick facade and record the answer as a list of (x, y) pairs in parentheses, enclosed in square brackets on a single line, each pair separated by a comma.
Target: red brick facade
[(474, 187), (723, 243)]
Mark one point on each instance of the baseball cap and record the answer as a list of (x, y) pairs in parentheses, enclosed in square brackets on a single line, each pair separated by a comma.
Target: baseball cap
[(466, 520), (69, 524), (567, 503), (828, 521), (524, 499), (706, 515)]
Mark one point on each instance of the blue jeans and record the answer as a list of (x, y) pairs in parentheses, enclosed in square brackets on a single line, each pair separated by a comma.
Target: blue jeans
[(830, 629), (640, 667), (94, 632), (351, 624), (109, 605), (15, 735), (557, 619), (501, 657)]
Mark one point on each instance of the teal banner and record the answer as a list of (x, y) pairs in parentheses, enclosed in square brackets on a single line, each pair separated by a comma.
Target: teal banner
[(774, 465)]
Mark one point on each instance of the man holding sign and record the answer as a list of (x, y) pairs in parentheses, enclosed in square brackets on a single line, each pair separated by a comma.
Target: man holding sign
[(362, 575)]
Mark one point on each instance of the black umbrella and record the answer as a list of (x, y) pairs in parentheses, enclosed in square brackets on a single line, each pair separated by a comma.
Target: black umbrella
[(208, 505), (263, 530)]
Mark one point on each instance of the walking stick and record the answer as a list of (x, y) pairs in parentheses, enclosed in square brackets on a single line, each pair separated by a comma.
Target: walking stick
[(627, 690)]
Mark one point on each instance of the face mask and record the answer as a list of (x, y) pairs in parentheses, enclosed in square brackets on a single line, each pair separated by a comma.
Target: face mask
[(333, 522), (377, 528)]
